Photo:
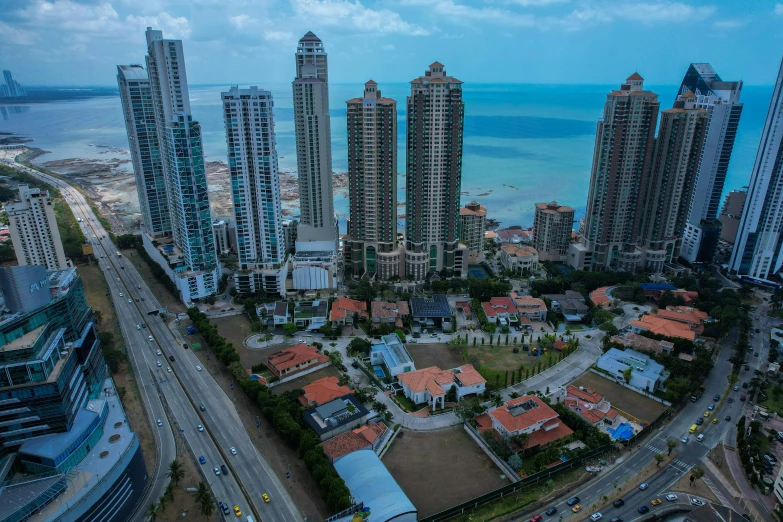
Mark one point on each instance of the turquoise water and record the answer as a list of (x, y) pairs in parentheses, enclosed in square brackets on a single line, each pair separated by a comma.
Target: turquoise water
[(523, 144)]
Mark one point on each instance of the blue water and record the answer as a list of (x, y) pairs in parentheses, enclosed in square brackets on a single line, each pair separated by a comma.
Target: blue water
[(523, 144), (379, 372), (622, 432)]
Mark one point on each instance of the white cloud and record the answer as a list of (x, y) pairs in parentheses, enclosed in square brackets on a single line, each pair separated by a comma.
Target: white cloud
[(729, 24), (388, 47), (353, 14), (280, 36), (779, 9), (17, 36), (537, 3), (465, 14), (241, 21), (645, 13), (172, 26)]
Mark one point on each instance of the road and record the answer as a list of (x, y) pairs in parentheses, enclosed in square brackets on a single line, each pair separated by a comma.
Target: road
[(185, 388)]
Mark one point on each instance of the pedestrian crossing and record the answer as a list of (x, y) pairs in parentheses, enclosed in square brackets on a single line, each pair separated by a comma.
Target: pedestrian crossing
[(680, 465), (653, 448)]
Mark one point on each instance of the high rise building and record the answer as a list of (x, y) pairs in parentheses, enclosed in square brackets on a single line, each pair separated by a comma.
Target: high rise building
[(757, 251), (13, 89), (435, 118), (721, 100), (372, 184), (255, 181), (665, 190), (473, 224), (190, 257), (34, 231), (552, 226), (624, 143), (139, 112), (317, 226), (730, 215)]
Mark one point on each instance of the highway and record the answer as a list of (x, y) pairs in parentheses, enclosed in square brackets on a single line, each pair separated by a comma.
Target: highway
[(185, 388)]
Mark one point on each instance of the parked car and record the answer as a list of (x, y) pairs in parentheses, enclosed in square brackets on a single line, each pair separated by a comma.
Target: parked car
[(344, 368), (671, 497), (736, 387)]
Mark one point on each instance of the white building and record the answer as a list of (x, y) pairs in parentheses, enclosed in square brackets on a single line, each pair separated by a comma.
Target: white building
[(757, 250), (392, 354), (255, 187), (430, 385), (318, 225), (473, 224), (34, 231), (222, 243), (646, 374), (519, 259), (314, 270)]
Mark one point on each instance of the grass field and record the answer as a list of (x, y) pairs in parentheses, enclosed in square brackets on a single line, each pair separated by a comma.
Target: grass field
[(621, 397)]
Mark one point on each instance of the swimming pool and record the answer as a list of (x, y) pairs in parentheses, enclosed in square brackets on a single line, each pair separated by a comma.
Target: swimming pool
[(622, 432), (478, 271), (379, 371)]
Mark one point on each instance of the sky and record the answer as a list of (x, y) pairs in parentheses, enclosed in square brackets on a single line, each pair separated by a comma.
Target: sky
[(80, 42)]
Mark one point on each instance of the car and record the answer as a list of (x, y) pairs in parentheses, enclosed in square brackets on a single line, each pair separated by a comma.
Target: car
[(757, 330), (577, 508), (142, 324), (700, 421), (233, 450), (160, 422), (715, 420), (596, 516), (224, 469), (202, 459), (536, 518), (118, 280), (171, 358), (216, 470), (671, 497), (744, 386), (551, 511), (711, 407), (573, 500), (700, 437), (185, 346), (158, 352), (267, 500), (706, 414), (237, 511), (168, 369), (643, 486), (729, 400), (198, 367), (697, 502), (226, 509), (619, 502), (717, 397), (616, 519), (643, 509), (200, 427), (150, 338), (142, 299), (727, 418), (355, 364), (742, 398), (138, 327), (202, 407), (301, 341), (736, 387), (158, 363), (756, 354), (655, 502), (344, 368), (130, 301), (433, 335)]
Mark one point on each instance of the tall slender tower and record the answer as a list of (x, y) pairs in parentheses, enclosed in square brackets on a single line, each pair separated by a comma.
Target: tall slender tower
[(721, 100), (34, 231), (318, 227), (179, 138), (372, 178), (139, 112), (255, 187), (624, 142), (757, 250), (665, 191), (435, 117)]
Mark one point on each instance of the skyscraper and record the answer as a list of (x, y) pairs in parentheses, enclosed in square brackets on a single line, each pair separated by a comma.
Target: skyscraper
[(624, 143), (721, 100), (757, 251), (255, 182), (372, 183), (13, 89), (139, 112), (34, 231), (435, 116), (665, 190), (552, 226), (193, 264), (317, 227)]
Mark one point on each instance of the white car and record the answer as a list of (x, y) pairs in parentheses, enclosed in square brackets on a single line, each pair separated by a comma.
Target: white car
[(138, 327), (158, 363), (671, 497), (216, 470), (684, 439), (130, 300), (168, 369), (158, 352), (198, 367), (118, 280), (697, 502), (596, 516), (150, 338), (200, 427), (121, 294), (233, 450), (160, 422)]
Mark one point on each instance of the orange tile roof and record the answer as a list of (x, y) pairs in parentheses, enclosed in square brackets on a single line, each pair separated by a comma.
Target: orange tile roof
[(371, 432), (344, 444), (298, 354), (384, 310), (685, 314), (611, 414), (661, 326), (469, 376), (323, 390), (528, 302), (465, 307), (544, 437), (524, 420), (634, 77), (523, 319), (559, 345), (429, 379), (519, 251), (489, 235), (342, 306), (587, 395), (499, 305), (484, 421), (599, 297)]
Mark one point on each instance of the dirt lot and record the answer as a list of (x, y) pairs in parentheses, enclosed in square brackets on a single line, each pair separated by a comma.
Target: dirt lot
[(621, 397), (440, 469), (435, 354), (184, 502)]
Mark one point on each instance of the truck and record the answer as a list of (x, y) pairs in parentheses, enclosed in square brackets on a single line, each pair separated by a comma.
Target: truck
[(695, 396), (191, 330)]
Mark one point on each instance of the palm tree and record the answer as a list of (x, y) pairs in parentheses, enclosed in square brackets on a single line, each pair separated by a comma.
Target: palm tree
[(152, 512), (205, 500), (497, 400), (175, 473), (671, 444), (169, 493), (163, 501), (658, 459)]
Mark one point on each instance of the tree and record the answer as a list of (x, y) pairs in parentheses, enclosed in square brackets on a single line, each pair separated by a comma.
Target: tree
[(336, 358), (696, 473), (497, 400), (175, 472), (205, 500), (98, 316), (451, 395), (290, 329), (153, 510), (627, 374), (670, 444), (327, 330), (163, 501), (363, 291), (658, 459), (515, 461)]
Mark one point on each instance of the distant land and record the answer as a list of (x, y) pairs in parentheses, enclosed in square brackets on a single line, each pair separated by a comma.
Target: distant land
[(43, 94)]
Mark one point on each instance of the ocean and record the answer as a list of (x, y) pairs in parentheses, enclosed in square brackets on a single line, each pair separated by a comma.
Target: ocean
[(523, 144)]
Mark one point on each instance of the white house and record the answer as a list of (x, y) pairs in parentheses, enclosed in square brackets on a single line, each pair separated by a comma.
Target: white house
[(430, 385), (391, 353), (646, 374)]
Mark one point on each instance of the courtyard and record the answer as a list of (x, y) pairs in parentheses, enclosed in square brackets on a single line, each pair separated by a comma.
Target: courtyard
[(623, 399)]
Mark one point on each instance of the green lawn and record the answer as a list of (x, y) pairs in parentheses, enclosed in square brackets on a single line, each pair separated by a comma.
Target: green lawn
[(771, 403), (575, 327), (408, 404)]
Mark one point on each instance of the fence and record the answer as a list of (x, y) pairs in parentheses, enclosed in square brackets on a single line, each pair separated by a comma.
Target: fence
[(519, 486), (650, 427)]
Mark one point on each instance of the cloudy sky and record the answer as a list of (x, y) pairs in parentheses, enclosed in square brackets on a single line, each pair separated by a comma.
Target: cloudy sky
[(79, 42)]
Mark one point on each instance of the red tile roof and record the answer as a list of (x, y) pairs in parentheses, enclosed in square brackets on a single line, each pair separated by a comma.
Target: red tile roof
[(290, 357), (498, 305), (527, 302), (661, 326), (559, 345), (343, 306), (384, 310), (599, 297), (371, 431), (544, 437), (344, 444), (469, 376), (431, 379), (526, 419), (588, 394), (322, 391), (465, 307)]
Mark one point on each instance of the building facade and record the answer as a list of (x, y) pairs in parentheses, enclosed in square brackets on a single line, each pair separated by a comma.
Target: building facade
[(473, 224), (180, 143), (372, 184), (34, 231), (12, 88), (435, 120), (731, 214), (757, 250), (317, 226), (220, 228), (552, 226), (139, 112), (624, 144), (721, 100)]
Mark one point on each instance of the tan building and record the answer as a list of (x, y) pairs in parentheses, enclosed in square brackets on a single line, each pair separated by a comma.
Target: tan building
[(34, 232), (519, 259), (473, 221), (552, 227)]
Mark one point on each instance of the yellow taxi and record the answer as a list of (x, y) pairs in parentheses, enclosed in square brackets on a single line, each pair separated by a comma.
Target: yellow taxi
[(715, 420), (706, 414), (655, 502), (265, 497), (577, 508), (237, 511)]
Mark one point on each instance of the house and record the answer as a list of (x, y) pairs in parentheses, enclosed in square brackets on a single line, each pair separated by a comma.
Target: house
[(274, 314), (295, 359), (571, 304), (322, 391), (529, 306), (600, 297), (640, 342), (692, 317), (531, 416), (364, 437), (429, 312), (660, 326), (430, 385), (389, 313), (646, 374), (310, 315), (335, 417), (559, 345), (392, 354), (464, 307), (590, 405), (514, 236), (655, 291), (519, 259), (344, 310), (500, 310)]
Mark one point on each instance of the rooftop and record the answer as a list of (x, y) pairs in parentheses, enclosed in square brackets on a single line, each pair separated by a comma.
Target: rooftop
[(295, 355), (600, 296), (395, 351), (344, 444), (435, 306), (323, 390), (661, 326), (519, 251), (522, 413), (641, 342), (383, 309), (585, 394), (499, 305), (334, 414), (528, 302), (343, 306)]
